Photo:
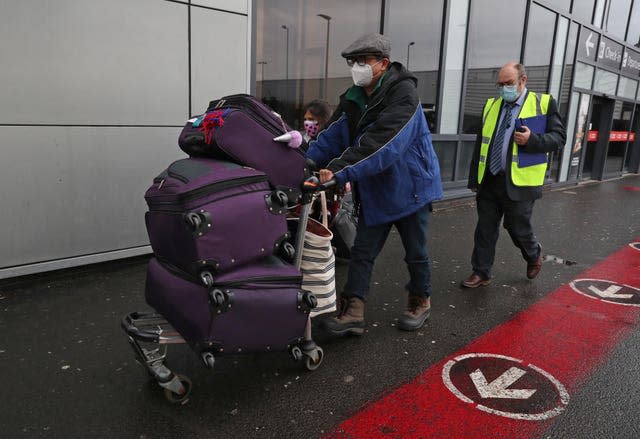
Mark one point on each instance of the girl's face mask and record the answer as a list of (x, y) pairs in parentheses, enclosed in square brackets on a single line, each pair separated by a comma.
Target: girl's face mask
[(311, 127)]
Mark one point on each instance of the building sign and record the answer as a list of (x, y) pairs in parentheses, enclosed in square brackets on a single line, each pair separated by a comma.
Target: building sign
[(609, 53), (588, 44), (631, 62), (614, 136)]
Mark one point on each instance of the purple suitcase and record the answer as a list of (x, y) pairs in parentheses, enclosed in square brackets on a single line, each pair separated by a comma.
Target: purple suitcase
[(240, 128), (214, 215), (257, 308)]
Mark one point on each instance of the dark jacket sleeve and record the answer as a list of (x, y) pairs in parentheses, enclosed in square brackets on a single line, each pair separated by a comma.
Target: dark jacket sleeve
[(554, 137)]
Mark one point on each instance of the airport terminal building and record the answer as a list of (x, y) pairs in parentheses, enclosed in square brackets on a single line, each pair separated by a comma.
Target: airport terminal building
[(95, 94)]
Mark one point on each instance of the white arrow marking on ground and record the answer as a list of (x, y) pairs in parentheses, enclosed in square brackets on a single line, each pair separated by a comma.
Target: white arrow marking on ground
[(498, 387), (589, 44), (611, 292)]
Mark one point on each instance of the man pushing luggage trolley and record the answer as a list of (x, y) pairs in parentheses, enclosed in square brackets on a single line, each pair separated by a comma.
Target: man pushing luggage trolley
[(378, 139)]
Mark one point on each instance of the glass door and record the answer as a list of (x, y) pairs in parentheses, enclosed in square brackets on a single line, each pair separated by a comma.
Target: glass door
[(592, 136), (597, 138), (633, 147), (618, 138)]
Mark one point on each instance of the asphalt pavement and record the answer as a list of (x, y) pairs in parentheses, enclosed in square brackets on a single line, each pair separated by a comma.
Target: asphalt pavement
[(69, 372)]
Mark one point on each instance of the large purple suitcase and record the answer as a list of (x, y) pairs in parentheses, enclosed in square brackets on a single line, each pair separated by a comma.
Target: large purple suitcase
[(241, 128), (214, 215), (258, 308)]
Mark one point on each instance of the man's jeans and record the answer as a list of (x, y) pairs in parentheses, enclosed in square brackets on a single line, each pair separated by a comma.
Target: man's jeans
[(369, 242)]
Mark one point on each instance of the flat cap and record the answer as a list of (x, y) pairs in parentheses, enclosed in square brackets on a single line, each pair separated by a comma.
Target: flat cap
[(371, 44)]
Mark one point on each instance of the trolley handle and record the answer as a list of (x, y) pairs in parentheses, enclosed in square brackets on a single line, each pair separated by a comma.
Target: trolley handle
[(312, 185)]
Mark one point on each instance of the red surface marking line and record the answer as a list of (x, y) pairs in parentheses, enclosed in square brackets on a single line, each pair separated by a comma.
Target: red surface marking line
[(566, 334)]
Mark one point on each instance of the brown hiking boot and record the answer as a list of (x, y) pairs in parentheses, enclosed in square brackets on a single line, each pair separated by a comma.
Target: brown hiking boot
[(350, 318), (416, 314)]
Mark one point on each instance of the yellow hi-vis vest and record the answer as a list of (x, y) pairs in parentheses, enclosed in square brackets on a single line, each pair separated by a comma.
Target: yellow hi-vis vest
[(527, 169)]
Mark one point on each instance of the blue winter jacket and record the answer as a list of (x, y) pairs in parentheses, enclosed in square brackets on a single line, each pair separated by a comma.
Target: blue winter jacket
[(383, 145)]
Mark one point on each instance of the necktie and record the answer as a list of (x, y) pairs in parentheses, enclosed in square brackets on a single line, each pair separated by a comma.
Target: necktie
[(495, 158)]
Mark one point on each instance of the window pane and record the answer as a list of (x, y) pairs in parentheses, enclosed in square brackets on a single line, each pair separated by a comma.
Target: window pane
[(452, 78), (584, 75), (569, 145), (537, 55), (605, 82), (307, 40), (617, 16), (446, 152), (490, 47), (583, 10), (568, 70), (561, 4), (465, 160), (633, 36), (558, 56), (599, 13), (415, 33), (627, 88)]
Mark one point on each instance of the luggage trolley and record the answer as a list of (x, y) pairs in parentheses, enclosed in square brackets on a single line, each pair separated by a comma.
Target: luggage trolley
[(146, 329)]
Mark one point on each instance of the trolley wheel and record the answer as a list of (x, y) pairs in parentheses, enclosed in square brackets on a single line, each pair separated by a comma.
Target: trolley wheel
[(178, 398), (310, 364)]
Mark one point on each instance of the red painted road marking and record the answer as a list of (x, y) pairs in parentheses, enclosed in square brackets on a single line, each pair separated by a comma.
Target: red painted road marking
[(566, 334), (631, 188)]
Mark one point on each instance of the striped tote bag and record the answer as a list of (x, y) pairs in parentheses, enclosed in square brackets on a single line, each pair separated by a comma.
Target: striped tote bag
[(319, 263)]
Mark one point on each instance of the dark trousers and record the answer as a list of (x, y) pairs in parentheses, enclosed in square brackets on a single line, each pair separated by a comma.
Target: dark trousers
[(492, 204), (369, 242)]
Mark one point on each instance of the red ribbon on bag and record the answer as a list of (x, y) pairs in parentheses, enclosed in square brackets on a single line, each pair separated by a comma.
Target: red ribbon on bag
[(210, 122)]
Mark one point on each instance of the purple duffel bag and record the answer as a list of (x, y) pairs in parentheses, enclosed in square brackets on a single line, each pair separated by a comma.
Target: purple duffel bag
[(258, 308), (240, 128), (215, 215)]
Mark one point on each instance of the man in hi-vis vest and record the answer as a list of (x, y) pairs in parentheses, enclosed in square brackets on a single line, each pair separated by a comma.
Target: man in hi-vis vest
[(508, 169)]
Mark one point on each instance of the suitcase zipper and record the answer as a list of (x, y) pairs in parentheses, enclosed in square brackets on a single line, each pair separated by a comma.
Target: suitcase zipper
[(212, 188), (236, 283), (156, 204), (275, 125), (261, 280)]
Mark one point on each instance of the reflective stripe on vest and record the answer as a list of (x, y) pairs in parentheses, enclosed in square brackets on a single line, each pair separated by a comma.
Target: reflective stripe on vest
[(535, 104)]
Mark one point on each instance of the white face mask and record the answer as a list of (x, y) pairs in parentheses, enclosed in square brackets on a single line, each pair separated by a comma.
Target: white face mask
[(362, 75)]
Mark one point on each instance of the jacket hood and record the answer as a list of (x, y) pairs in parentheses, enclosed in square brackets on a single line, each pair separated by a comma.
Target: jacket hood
[(396, 73)]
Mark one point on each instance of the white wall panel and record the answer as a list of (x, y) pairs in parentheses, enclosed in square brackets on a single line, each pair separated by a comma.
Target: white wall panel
[(241, 6), (72, 179), (218, 56), (71, 191), (93, 62)]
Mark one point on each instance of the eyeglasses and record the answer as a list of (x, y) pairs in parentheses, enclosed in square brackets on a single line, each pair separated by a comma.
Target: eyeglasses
[(360, 60), (508, 83)]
